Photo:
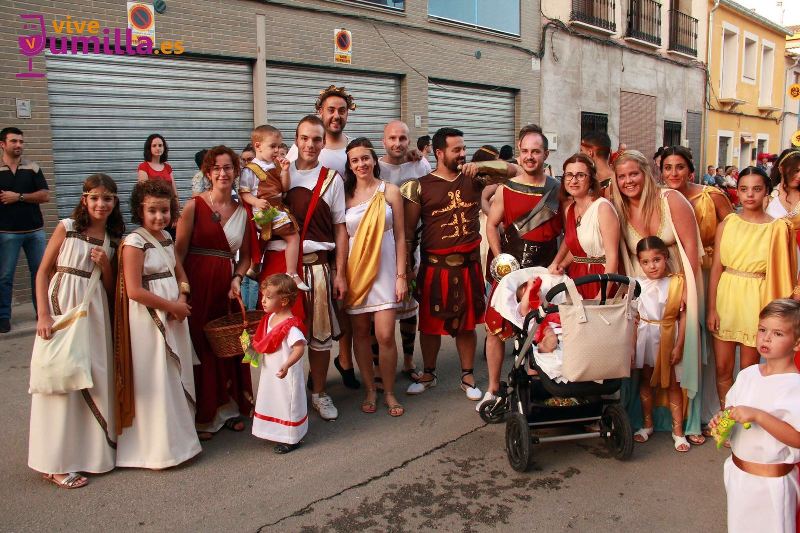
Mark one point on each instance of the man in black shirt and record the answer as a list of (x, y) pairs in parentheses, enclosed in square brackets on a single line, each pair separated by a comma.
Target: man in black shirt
[(22, 189)]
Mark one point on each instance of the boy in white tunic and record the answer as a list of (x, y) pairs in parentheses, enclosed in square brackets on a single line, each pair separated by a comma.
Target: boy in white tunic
[(281, 412), (761, 474)]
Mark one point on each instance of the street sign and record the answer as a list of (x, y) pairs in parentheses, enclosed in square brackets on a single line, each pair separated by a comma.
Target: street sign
[(141, 21), (343, 46)]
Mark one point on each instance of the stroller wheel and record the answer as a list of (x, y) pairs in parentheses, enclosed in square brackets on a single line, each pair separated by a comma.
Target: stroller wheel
[(518, 442), (494, 412), (620, 439)]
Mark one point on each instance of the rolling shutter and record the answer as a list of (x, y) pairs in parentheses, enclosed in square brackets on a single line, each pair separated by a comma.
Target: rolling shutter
[(694, 133), (102, 108), (292, 91), (637, 122), (485, 116)]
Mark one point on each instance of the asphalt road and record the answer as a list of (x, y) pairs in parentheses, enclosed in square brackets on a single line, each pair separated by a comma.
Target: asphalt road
[(439, 467)]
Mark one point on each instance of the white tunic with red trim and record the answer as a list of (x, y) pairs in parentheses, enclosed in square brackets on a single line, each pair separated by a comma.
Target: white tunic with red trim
[(281, 413)]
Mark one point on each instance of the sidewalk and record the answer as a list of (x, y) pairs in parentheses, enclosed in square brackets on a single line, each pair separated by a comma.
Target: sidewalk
[(23, 322)]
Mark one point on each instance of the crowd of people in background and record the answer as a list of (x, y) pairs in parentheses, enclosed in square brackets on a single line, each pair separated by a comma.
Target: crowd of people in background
[(338, 245)]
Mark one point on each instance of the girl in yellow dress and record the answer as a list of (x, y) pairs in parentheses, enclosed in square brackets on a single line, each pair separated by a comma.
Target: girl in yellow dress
[(754, 263)]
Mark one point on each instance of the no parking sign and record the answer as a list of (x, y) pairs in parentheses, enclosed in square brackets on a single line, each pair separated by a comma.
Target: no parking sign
[(141, 21)]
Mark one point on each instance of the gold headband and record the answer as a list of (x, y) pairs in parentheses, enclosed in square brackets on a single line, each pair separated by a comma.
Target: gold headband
[(789, 154), (104, 194), (488, 151)]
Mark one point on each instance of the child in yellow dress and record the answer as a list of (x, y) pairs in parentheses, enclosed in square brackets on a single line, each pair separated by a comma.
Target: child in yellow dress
[(754, 263)]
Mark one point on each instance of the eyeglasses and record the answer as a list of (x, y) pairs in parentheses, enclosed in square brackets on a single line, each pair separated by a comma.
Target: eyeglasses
[(226, 168), (577, 176)]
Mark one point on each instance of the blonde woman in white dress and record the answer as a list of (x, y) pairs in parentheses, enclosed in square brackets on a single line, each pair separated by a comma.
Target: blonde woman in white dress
[(158, 432), (74, 432)]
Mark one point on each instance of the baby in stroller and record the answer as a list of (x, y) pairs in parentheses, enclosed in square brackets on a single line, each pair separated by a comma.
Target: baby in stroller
[(540, 397)]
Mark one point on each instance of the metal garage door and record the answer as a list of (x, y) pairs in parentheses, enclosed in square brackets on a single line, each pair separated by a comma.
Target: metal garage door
[(292, 91), (694, 133), (637, 122), (485, 116), (102, 108)]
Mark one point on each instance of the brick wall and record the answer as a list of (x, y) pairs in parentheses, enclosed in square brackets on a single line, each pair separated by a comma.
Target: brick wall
[(299, 31)]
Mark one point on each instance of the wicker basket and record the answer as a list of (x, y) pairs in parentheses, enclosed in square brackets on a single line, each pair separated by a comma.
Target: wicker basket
[(223, 332)]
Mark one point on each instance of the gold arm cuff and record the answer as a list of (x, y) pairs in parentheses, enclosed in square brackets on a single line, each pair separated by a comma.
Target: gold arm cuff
[(185, 288), (411, 191)]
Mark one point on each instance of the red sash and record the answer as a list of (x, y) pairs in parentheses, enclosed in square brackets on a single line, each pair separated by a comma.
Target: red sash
[(267, 343)]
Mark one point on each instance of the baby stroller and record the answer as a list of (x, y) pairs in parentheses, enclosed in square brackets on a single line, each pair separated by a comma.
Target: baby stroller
[(532, 403)]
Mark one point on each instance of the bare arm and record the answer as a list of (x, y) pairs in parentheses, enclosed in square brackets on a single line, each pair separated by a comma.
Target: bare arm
[(183, 235), (493, 221), (558, 265), (241, 266), (411, 215), (174, 186), (141, 176), (38, 197), (677, 351), (43, 275), (295, 355), (610, 233), (486, 197), (712, 317), (133, 263), (342, 248), (395, 200), (782, 431)]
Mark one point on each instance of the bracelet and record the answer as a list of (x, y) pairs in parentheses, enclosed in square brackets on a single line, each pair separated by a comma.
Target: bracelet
[(796, 290), (402, 276), (185, 288), (237, 275)]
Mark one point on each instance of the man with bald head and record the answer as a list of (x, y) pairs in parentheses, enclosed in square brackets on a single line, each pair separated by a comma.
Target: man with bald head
[(398, 166)]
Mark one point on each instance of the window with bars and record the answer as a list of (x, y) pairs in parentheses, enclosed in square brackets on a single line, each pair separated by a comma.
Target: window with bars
[(672, 133), (593, 122)]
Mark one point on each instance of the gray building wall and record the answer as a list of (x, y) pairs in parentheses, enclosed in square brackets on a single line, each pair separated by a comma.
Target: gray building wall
[(409, 44), (580, 74)]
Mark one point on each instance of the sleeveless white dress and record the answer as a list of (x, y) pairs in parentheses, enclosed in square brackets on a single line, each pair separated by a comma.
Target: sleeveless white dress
[(74, 432), (382, 294), (163, 432)]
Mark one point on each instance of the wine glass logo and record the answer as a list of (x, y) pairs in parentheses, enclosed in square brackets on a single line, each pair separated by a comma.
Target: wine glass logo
[(31, 44)]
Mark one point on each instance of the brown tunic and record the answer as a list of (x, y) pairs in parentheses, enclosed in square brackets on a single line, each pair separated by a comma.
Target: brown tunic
[(449, 213)]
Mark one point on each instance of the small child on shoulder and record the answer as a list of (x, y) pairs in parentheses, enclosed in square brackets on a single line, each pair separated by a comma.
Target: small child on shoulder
[(761, 473), (263, 183), (281, 413)]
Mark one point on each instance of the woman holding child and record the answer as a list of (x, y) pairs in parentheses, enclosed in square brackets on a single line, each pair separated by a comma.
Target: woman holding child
[(211, 230), (644, 210)]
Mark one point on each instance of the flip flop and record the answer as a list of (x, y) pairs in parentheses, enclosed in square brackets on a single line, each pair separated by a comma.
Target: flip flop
[(395, 409), (233, 423), (73, 480), (369, 406), (679, 441), (644, 435), (696, 440)]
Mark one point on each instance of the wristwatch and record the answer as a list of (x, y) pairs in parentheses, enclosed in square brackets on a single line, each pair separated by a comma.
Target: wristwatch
[(21, 197)]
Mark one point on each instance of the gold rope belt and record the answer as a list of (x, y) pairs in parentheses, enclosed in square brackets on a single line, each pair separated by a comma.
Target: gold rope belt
[(743, 274), (158, 275), (657, 322), (763, 469), (210, 252), (74, 271), (590, 260)]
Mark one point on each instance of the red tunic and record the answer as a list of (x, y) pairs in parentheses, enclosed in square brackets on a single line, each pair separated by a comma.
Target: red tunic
[(153, 174), (216, 380), (577, 269), (517, 202), (451, 298)]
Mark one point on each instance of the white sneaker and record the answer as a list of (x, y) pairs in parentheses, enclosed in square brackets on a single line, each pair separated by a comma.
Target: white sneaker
[(418, 387), (473, 393), (488, 397), (323, 404)]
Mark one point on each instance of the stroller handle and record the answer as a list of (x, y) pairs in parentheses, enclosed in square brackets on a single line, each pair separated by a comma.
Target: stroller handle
[(603, 279)]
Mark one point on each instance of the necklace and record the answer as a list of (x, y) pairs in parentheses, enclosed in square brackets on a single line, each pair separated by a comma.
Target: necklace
[(215, 216)]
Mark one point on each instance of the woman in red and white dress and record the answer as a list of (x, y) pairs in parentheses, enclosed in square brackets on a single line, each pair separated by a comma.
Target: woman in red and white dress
[(591, 227)]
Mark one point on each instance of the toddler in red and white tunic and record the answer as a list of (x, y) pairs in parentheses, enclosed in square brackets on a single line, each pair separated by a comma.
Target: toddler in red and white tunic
[(281, 413)]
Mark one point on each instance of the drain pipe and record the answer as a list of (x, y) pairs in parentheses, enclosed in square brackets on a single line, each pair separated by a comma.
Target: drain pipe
[(707, 103)]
